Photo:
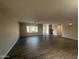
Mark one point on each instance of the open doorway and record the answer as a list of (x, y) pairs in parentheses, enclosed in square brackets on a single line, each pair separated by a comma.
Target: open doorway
[(59, 29), (56, 29)]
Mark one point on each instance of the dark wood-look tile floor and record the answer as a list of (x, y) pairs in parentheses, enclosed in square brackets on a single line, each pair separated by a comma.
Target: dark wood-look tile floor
[(44, 47)]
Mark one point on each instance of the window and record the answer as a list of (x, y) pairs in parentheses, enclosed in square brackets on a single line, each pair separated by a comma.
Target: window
[(32, 29)]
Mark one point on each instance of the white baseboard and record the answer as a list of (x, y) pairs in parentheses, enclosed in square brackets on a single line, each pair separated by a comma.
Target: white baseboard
[(9, 49), (70, 38)]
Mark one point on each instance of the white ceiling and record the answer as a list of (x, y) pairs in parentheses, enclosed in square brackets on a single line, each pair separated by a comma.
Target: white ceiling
[(40, 10)]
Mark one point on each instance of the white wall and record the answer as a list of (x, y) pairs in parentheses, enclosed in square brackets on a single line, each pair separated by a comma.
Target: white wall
[(70, 32), (9, 34), (45, 29)]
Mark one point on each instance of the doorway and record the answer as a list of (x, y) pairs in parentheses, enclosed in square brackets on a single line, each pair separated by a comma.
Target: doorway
[(59, 29)]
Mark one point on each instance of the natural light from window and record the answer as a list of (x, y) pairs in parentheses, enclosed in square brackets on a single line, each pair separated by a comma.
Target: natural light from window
[(32, 29)]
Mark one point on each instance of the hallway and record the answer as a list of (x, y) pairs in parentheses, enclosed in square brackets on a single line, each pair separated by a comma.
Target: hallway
[(44, 47)]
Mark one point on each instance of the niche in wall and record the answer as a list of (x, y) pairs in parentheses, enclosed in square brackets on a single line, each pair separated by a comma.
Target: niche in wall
[(70, 23)]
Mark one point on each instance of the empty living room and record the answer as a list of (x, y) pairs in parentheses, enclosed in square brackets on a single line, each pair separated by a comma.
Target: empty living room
[(38, 29)]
